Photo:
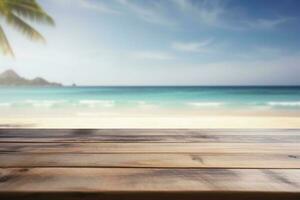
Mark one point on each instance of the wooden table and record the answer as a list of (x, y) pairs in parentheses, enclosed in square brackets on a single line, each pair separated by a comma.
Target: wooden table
[(149, 164)]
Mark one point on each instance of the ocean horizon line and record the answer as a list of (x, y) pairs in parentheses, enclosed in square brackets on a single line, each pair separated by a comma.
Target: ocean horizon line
[(70, 86), (183, 86)]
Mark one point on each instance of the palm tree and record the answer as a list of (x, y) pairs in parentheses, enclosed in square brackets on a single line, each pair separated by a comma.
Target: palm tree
[(14, 13)]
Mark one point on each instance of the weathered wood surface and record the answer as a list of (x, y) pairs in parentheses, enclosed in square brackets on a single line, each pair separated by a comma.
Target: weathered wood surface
[(149, 164), (152, 195), (109, 160), (176, 148), (152, 136), (143, 180)]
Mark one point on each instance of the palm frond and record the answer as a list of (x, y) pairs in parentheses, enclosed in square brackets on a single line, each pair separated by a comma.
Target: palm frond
[(24, 27), (15, 13), (4, 44), (31, 10)]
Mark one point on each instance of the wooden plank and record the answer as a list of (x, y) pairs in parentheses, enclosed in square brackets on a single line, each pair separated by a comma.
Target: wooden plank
[(236, 160), (211, 195), (268, 148), (149, 164), (170, 138), (147, 180), (145, 135), (66, 132)]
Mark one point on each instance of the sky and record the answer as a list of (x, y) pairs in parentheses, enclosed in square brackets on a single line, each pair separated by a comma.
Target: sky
[(163, 42)]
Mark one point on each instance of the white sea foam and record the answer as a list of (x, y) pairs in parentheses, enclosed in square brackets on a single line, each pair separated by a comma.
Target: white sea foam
[(97, 103), (205, 104), (97, 114), (43, 103), (5, 104), (284, 103), (145, 105)]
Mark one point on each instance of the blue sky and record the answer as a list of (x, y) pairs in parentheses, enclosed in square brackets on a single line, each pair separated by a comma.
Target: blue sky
[(164, 42)]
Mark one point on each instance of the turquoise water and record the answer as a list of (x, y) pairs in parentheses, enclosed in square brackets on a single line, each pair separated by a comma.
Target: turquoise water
[(185, 98)]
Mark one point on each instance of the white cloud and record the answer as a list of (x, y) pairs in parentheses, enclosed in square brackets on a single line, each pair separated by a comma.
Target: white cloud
[(202, 46), (152, 55), (99, 7), (210, 13), (207, 12), (152, 13), (216, 13), (267, 23)]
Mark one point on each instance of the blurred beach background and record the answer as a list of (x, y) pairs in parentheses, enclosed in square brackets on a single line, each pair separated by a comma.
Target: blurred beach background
[(242, 57), (151, 107)]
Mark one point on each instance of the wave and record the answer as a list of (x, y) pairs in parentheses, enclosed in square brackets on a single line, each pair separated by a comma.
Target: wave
[(90, 103), (55, 103), (145, 105), (97, 103), (5, 104), (33, 103), (44, 103), (284, 103), (205, 104)]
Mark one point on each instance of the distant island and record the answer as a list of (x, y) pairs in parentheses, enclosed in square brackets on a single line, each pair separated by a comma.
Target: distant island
[(11, 78)]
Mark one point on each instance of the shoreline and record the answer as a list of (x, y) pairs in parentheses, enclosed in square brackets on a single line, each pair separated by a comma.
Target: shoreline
[(151, 122)]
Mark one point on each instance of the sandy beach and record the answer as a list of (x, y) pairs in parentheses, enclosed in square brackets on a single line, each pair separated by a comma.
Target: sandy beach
[(276, 122)]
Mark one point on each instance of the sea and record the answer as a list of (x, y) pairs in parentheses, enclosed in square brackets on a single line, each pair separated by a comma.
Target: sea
[(143, 99)]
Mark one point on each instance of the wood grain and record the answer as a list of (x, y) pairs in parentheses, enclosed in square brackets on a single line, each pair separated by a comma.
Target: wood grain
[(143, 180), (64, 132), (144, 135), (221, 160), (288, 148), (144, 164)]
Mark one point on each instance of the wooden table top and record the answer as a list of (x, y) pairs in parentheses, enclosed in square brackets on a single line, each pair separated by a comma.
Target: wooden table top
[(149, 164)]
